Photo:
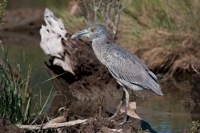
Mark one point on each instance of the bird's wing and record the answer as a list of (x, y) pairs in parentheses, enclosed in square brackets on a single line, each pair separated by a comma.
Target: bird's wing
[(125, 66), (135, 58), (128, 55)]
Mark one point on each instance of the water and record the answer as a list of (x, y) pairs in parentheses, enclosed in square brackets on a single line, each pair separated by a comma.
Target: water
[(165, 114), (26, 55)]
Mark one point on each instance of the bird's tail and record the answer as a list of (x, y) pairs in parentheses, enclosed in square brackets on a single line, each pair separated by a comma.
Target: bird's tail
[(154, 86)]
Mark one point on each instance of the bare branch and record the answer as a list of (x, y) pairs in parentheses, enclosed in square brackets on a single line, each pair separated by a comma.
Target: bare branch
[(85, 7), (123, 4), (193, 68), (109, 10), (96, 6)]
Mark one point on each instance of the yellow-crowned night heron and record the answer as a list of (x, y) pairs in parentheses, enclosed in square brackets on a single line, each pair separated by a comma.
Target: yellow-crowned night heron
[(125, 67)]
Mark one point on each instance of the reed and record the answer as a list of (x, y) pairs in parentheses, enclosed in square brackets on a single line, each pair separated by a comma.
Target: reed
[(15, 100)]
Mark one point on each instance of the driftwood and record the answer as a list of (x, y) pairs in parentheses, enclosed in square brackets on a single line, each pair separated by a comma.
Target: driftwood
[(51, 125)]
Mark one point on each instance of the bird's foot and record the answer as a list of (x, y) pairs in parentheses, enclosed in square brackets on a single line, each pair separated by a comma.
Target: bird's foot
[(122, 123), (113, 116), (110, 118)]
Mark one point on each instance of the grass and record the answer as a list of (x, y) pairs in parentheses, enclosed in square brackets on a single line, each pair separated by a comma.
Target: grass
[(194, 126), (165, 14), (15, 94), (3, 5), (168, 28), (175, 17), (15, 101)]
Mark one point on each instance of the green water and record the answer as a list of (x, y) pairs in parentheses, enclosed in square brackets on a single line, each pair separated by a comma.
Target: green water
[(28, 56), (166, 114)]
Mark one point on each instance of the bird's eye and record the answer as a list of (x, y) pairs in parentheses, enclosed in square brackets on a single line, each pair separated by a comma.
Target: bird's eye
[(92, 30)]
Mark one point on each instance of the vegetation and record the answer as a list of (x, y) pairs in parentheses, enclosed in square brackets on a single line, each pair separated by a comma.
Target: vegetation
[(15, 95), (194, 126), (168, 16), (165, 34), (2, 7), (15, 100)]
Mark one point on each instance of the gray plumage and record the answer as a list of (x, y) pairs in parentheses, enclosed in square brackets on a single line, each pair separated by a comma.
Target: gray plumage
[(125, 67)]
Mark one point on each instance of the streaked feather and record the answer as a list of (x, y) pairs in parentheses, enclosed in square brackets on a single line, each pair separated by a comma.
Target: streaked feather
[(128, 68)]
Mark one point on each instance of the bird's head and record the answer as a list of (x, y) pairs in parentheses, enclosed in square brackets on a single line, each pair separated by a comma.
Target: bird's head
[(92, 32)]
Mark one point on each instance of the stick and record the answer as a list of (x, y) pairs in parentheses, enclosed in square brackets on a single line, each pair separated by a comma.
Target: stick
[(52, 125)]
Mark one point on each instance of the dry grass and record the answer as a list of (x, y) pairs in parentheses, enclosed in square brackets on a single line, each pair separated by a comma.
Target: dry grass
[(171, 53), (164, 34), (170, 61)]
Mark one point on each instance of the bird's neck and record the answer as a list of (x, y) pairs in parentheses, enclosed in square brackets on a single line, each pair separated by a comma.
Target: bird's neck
[(103, 39), (100, 47), (99, 43)]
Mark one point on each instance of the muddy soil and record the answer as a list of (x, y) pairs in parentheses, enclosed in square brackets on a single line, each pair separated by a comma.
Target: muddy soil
[(6, 126)]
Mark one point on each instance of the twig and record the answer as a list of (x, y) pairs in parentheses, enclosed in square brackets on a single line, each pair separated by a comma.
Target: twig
[(107, 9), (84, 8), (96, 6), (193, 68), (52, 125)]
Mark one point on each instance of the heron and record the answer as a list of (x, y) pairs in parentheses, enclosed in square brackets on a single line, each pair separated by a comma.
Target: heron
[(128, 70)]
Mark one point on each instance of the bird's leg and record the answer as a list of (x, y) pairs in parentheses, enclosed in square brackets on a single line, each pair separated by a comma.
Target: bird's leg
[(127, 101), (126, 107), (118, 108)]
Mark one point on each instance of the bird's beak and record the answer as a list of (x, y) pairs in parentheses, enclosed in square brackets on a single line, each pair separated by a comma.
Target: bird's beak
[(80, 34)]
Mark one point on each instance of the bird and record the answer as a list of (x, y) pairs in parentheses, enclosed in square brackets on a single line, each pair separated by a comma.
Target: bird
[(128, 70)]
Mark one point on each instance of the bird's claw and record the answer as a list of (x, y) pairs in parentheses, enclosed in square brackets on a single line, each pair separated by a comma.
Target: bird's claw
[(109, 118), (122, 123)]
